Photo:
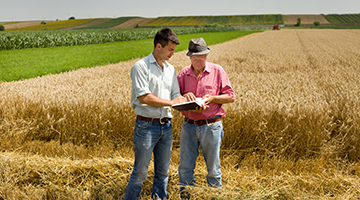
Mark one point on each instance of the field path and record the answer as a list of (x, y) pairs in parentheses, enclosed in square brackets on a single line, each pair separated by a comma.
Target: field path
[(244, 37), (133, 22)]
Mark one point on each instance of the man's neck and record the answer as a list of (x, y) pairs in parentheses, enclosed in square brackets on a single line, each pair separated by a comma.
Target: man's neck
[(198, 72), (159, 61)]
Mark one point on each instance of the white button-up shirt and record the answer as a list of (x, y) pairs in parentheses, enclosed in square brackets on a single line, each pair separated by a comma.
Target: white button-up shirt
[(148, 77)]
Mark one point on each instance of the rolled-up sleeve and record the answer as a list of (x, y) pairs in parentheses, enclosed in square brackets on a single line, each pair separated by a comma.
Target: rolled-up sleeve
[(225, 86), (139, 77), (175, 92)]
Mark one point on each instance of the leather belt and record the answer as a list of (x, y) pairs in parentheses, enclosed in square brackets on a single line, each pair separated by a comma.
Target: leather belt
[(202, 122), (156, 120)]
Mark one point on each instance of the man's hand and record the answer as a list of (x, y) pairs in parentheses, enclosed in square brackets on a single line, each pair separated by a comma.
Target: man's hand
[(178, 99), (201, 109), (190, 96), (208, 99)]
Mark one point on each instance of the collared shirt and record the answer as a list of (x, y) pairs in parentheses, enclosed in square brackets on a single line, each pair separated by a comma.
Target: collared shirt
[(213, 81), (148, 77)]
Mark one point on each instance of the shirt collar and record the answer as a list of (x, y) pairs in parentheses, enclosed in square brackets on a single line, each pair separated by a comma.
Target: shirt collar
[(153, 60)]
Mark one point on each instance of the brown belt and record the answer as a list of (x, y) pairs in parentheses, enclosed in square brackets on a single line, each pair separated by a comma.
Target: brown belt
[(156, 120), (202, 122)]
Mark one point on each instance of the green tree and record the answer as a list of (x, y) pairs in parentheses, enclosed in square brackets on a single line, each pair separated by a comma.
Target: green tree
[(298, 22), (71, 18), (316, 23), (2, 28)]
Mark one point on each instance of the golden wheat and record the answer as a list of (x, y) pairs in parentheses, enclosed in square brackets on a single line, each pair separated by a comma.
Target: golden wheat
[(292, 133)]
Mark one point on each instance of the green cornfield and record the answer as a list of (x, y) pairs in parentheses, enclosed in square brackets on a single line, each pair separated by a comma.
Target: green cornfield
[(43, 39)]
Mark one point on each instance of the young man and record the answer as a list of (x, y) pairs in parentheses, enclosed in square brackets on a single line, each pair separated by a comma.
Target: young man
[(202, 127), (154, 90)]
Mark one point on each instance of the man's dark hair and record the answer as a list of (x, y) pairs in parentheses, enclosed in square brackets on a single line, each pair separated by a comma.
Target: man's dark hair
[(165, 35)]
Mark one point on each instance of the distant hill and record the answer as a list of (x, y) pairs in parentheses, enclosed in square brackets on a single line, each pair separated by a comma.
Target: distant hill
[(186, 21), (92, 23), (55, 25), (305, 19), (16, 25), (343, 18), (132, 23), (230, 20), (111, 23)]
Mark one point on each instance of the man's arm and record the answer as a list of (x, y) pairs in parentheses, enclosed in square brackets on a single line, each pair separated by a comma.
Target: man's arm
[(219, 99), (226, 94), (155, 101)]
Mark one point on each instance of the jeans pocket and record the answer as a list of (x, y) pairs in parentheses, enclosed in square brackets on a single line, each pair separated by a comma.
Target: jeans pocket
[(142, 124), (215, 125), (142, 133)]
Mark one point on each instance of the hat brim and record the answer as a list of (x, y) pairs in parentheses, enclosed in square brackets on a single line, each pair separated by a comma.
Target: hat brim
[(190, 53)]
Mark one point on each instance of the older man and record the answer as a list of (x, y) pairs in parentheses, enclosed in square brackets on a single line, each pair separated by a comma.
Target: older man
[(202, 127)]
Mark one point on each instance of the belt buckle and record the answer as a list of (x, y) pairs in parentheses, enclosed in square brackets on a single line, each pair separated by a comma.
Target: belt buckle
[(161, 121), (195, 122)]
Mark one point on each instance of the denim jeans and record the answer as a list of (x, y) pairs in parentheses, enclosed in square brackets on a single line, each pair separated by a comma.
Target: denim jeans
[(208, 137), (150, 138)]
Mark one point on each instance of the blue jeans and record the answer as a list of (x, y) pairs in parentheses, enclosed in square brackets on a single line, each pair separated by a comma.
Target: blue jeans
[(208, 137), (150, 138)]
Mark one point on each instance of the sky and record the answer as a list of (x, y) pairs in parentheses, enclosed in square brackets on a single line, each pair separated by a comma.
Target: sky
[(27, 10)]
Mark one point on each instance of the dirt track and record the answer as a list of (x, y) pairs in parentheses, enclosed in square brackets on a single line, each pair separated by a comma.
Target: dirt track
[(133, 22)]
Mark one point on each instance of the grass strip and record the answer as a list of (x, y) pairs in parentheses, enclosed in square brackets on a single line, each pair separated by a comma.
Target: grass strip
[(29, 63)]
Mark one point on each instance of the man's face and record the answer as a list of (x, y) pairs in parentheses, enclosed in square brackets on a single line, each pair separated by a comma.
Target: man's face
[(167, 51), (198, 61)]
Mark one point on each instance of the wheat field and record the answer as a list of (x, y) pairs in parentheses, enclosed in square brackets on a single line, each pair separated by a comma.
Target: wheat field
[(292, 133)]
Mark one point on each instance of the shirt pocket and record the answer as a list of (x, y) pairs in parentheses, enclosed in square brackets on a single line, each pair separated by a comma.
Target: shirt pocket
[(211, 89)]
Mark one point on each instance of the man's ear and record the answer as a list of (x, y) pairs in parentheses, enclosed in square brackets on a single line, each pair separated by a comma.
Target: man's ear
[(158, 46)]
